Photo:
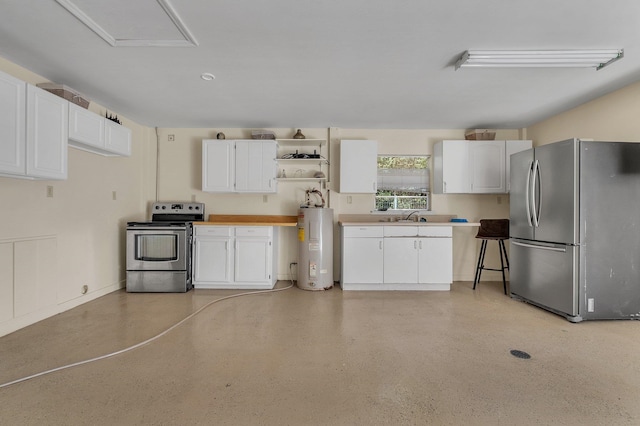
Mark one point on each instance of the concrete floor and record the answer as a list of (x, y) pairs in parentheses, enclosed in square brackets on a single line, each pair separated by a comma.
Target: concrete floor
[(322, 358)]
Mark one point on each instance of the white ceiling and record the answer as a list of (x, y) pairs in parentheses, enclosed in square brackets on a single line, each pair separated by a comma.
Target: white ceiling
[(314, 63)]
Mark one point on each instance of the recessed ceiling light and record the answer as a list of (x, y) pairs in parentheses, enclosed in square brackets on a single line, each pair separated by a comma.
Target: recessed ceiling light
[(581, 58), (207, 76)]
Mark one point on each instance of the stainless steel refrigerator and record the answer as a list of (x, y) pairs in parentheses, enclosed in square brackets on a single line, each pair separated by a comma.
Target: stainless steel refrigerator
[(575, 229)]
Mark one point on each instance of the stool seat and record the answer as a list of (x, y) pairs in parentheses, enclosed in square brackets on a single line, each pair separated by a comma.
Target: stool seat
[(498, 230)]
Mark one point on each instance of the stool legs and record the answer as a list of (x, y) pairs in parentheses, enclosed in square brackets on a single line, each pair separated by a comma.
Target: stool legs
[(480, 266), (503, 250), (504, 259)]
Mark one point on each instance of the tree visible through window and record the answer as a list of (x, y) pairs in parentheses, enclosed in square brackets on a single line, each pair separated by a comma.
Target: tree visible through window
[(403, 182)]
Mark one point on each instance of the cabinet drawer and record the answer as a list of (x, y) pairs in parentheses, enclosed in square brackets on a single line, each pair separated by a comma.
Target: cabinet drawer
[(435, 231), (213, 231), (253, 231), (362, 231), (400, 231)]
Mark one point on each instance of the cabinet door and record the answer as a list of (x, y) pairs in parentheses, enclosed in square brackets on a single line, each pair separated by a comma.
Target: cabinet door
[(85, 127), (435, 265), (255, 166), (47, 134), (400, 260), (6, 281), (511, 147), (454, 167), (35, 269), (12, 125), (117, 138), (218, 165), (358, 166), (362, 261), (212, 260), (253, 260), (487, 166)]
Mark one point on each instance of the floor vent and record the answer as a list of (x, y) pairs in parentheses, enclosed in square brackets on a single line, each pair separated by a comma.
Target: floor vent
[(520, 354)]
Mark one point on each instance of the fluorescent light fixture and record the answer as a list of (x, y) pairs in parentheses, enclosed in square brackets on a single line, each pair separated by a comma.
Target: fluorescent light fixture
[(595, 58)]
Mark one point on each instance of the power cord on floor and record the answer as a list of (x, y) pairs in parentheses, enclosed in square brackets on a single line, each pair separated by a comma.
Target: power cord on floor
[(138, 345)]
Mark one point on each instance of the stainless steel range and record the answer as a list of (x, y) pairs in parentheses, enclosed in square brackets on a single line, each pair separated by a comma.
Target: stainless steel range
[(159, 251)]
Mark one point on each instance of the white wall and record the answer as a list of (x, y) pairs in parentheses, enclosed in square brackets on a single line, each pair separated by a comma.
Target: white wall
[(84, 222), (613, 117)]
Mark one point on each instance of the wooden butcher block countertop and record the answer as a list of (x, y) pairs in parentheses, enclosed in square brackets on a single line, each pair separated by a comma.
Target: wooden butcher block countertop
[(250, 220)]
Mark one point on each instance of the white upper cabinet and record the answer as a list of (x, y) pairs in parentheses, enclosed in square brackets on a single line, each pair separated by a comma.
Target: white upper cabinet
[(247, 166), (256, 166), (12, 125), (90, 132), (487, 167), (117, 138), (358, 166), (218, 165), (451, 168), (47, 134), (33, 131), (473, 167)]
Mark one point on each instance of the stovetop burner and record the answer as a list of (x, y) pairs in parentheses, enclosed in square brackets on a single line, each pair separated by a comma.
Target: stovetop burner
[(158, 224), (173, 214)]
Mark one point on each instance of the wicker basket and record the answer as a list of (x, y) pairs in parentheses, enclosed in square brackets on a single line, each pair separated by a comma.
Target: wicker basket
[(66, 93), (480, 135)]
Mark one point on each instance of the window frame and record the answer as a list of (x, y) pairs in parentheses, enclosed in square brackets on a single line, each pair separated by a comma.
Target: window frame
[(426, 194)]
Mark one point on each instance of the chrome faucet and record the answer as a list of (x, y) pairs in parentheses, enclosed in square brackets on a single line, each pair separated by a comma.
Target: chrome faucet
[(410, 214)]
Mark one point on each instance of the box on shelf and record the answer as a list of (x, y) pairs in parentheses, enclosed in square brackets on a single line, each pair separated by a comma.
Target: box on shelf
[(480, 135), (262, 134), (66, 93)]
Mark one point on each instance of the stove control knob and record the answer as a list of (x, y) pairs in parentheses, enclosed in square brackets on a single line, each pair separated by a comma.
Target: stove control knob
[(164, 207), (190, 207)]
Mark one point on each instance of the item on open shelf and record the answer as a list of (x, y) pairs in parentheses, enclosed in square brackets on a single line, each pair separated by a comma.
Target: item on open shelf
[(262, 134), (480, 135), (113, 118), (65, 93), (299, 135)]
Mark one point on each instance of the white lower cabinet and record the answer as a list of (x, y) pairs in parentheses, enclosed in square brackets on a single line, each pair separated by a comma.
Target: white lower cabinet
[(362, 256), (397, 258), (234, 257)]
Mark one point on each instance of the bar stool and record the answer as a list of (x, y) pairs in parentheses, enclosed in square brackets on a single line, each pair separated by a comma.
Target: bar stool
[(493, 229)]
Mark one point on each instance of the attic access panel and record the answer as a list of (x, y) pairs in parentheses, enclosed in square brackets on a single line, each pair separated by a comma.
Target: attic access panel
[(132, 23)]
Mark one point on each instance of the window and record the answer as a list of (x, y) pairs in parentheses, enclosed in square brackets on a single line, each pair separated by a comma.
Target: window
[(403, 182)]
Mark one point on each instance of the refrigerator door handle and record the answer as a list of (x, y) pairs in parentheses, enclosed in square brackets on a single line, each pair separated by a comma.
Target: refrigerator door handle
[(528, 194), (534, 246), (536, 205)]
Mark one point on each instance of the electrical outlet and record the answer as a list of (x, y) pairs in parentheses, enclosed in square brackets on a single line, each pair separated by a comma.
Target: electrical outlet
[(85, 289), (172, 138), (499, 198), (114, 195), (349, 199), (49, 191), (265, 199)]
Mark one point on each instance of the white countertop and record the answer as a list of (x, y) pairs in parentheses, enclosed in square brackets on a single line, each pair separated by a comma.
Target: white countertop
[(391, 220), (386, 223)]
